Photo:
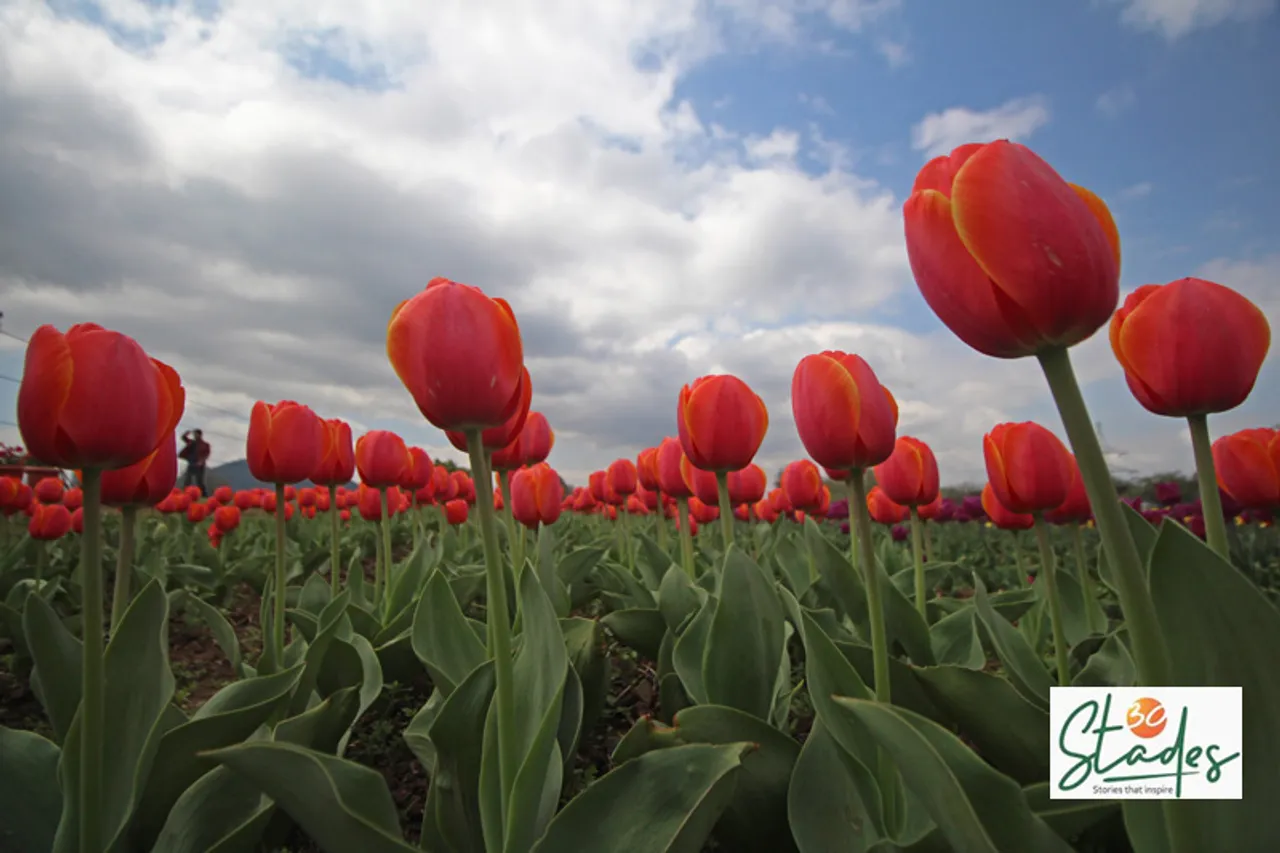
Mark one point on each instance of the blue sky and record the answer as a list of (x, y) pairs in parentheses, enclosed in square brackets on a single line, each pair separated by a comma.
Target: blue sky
[(663, 188)]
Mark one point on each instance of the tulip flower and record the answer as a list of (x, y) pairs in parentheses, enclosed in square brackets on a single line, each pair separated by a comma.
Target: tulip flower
[(882, 508), (1248, 467), (1001, 516), (70, 415), (910, 477), (721, 423), (286, 443), (504, 435), (456, 512), (77, 520), (536, 439), (49, 490), (536, 495), (1030, 471), (15, 495), (1012, 258), (223, 494), (1190, 349), (383, 461), (1017, 262), (802, 486), (50, 521)]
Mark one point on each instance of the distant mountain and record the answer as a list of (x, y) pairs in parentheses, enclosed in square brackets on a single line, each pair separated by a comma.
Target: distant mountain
[(236, 475)]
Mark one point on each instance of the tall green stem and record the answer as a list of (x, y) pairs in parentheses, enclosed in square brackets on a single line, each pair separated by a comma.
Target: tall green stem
[(92, 672), (277, 622), (860, 519), (384, 524), (124, 564), (661, 520), (917, 557), (499, 621), (726, 509), (1086, 581), (1149, 650), (42, 564), (628, 543), (686, 536), (335, 542), (1048, 569), (513, 528), (1215, 526)]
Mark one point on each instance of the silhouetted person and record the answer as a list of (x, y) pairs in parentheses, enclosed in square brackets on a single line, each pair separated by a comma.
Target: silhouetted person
[(195, 451)]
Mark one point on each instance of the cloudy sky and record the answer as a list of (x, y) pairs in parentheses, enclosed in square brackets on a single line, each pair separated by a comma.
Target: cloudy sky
[(662, 189)]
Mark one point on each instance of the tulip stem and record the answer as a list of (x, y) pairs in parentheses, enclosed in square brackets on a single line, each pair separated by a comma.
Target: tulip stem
[(627, 541), (499, 622), (277, 622), (686, 536), (1048, 569), (124, 564), (42, 563), (662, 525), (860, 519), (335, 542), (1215, 525), (917, 557), (92, 673), (384, 525), (726, 509), (1149, 650), (513, 530), (1086, 582)]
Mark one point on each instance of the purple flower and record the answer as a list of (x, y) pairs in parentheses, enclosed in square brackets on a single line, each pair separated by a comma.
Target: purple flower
[(839, 509), (899, 533), (1168, 494)]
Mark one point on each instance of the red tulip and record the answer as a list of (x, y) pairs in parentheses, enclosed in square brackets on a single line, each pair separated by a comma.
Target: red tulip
[(721, 423), (1001, 516), (77, 520), (748, 485), (670, 469), (369, 501), (505, 434), (73, 498), (466, 488), (621, 477), (1029, 468), (337, 465), (69, 402), (1012, 258), (144, 483), (883, 509), (845, 417), (459, 354), (49, 490), (1248, 467), (382, 459), (49, 521), (196, 512), (536, 494), (647, 469), (15, 495), (702, 484), (286, 442), (910, 475), (1189, 348), (455, 512), (531, 446), (801, 485), (226, 518), (1076, 508)]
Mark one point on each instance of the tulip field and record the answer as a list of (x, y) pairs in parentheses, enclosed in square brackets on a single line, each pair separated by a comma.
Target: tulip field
[(686, 652)]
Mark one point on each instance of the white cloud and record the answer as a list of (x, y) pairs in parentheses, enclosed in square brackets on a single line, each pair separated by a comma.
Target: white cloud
[(1138, 190), (894, 52), (1115, 101), (1176, 18), (1017, 119)]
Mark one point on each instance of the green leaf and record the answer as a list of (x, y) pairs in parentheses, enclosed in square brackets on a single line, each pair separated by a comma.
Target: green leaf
[(314, 595), (1025, 668), (825, 801), (217, 814), (576, 565), (678, 599), (687, 654), (639, 628), (740, 661), (229, 717), (1110, 666), (975, 807), (584, 644), (664, 802), (139, 688), (29, 794), (342, 805), (1144, 536), (442, 640), (1068, 818), (57, 654), (1005, 729), (955, 640), (1221, 632)]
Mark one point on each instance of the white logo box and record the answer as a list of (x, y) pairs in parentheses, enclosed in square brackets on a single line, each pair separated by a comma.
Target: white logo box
[(1158, 743)]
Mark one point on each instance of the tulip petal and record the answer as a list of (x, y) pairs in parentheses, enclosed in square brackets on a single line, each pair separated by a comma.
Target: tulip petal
[(110, 367), (1102, 213), (955, 287), (46, 384), (826, 402), (1038, 240), (1246, 471)]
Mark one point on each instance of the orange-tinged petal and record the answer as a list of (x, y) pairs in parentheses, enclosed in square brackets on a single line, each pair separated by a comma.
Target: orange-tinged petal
[(257, 445), (110, 367), (939, 173), (172, 397), (956, 288), (827, 405), (1102, 213), (1038, 240), (46, 384)]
